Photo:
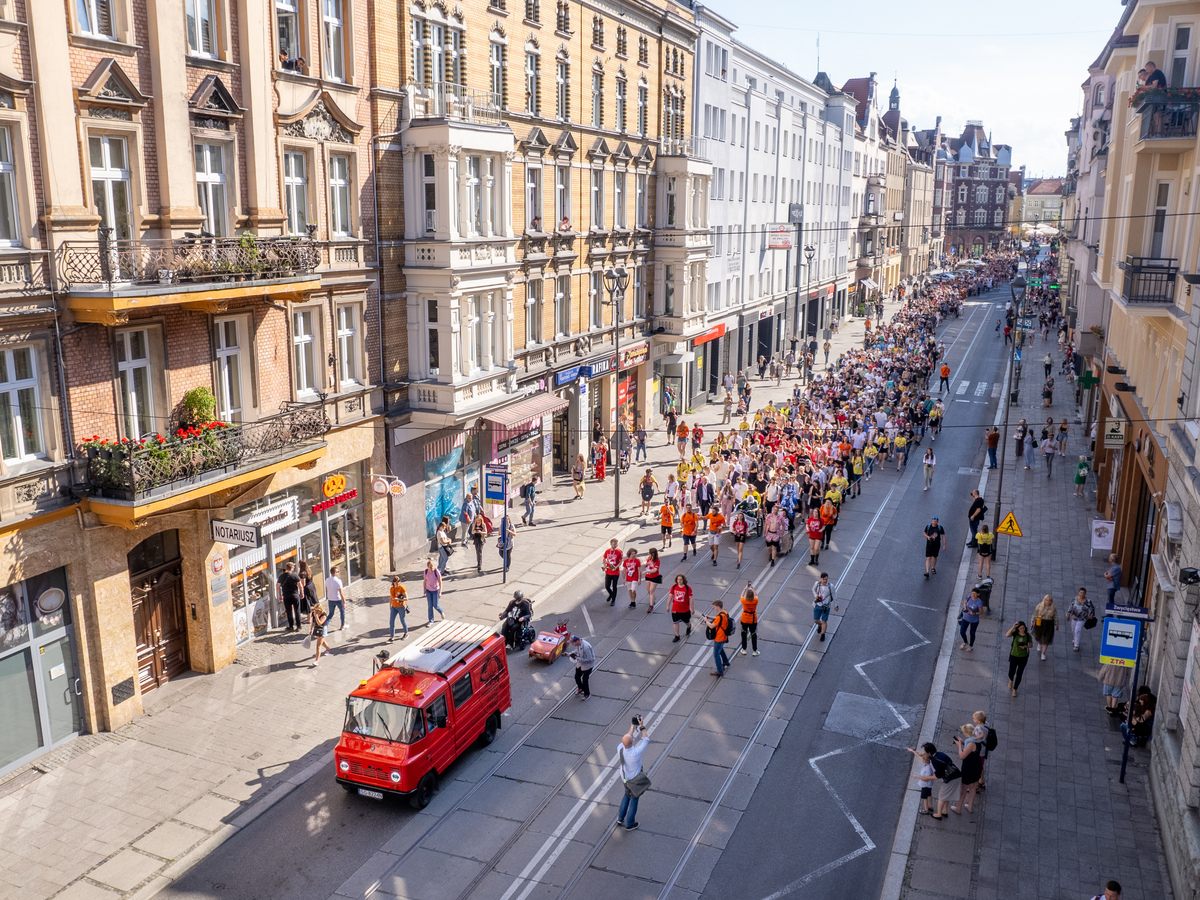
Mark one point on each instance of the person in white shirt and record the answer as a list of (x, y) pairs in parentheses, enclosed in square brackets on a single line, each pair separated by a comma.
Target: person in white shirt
[(629, 758), (335, 596)]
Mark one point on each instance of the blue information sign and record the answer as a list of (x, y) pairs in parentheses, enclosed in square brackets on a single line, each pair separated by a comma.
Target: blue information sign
[(1120, 641), (495, 486)]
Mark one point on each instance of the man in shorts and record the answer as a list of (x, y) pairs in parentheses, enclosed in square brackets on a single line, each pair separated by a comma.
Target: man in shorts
[(935, 542), (687, 524), (716, 522), (822, 599)]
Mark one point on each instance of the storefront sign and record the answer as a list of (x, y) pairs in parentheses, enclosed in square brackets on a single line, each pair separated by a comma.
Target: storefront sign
[(240, 534), (532, 430), (275, 517), (397, 488), (1114, 434), (623, 391), (711, 335), (779, 237), (333, 485), (566, 376), (766, 313), (1120, 641), (599, 368), (380, 486), (1102, 534), (334, 501), (635, 355)]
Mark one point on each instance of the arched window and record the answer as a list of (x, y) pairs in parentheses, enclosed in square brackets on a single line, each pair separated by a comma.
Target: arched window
[(1100, 94)]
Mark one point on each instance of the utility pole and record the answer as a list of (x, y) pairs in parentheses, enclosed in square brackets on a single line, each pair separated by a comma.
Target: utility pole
[(1018, 283), (616, 280), (796, 217)]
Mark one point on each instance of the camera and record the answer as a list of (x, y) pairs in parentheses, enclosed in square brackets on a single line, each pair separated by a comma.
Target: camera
[(639, 721)]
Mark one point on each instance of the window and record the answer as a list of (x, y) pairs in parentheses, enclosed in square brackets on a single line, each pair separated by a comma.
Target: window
[(562, 194), (639, 292), (671, 200), (562, 305), (999, 195), (532, 65), (334, 47), (227, 343), (496, 59), (980, 194), (1099, 99), (533, 311), (622, 41), (597, 100), (347, 344), (474, 185), (1162, 195), (562, 19), (429, 192), (96, 17), (620, 107), (20, 423), (133, 374), (668, 290), (210, 188), (644, 51), (533, 196), (431, 318), (201, 27), (1179, 59), (619, 200), (473, 357), (533, 11), (596, 296), (598, 32), (562, 98), (287, 29), (455, 58), (641, 206), (10, 233), (304, 351), (998, 219), (598, 199), (339, 196), (110, 183), (961, 217), (295, 186), (980, 217), (962, 193), (461, 690), (642, 111)]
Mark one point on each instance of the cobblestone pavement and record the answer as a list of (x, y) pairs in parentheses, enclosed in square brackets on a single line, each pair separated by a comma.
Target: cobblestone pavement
[(123, 814), (1054, 822)]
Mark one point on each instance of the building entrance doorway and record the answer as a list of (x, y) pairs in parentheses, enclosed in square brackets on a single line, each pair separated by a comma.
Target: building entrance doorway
[(160, 626)]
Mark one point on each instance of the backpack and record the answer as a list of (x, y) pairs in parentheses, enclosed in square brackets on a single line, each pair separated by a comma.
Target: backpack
[(991, 741)]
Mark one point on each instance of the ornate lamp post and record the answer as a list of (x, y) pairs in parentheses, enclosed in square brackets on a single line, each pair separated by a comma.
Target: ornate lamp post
[(615, 282)]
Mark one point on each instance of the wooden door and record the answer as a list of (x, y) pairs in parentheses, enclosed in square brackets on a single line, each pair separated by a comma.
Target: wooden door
[(161, 626)]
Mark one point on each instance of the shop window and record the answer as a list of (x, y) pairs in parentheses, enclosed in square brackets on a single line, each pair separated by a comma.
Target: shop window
[(136, 387), (448, 479), (20, 419), (210, 188), (232, 356), (306, 352), (349, 346)]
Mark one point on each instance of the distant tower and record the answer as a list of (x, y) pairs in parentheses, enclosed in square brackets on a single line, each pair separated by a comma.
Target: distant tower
[(894, 99)]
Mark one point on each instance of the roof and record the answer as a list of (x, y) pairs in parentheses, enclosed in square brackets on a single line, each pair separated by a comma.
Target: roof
[(428, 658), (860, 90), (1046, 186)]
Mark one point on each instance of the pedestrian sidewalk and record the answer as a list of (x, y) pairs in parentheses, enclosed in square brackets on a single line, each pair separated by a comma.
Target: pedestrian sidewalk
[(121, 815), (1054, 822)]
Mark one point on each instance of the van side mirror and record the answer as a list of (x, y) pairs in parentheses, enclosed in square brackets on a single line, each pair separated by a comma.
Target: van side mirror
[(441, 721)]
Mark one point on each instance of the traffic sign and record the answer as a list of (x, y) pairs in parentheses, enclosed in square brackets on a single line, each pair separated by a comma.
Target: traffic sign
[(1009, 526), (495, 486), (1120, 641), (1017, 355)]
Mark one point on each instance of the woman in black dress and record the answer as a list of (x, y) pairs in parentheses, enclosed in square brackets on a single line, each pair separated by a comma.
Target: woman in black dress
[(971, 764)]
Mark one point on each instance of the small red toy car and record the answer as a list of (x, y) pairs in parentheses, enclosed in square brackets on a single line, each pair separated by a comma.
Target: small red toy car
[(549, 644)]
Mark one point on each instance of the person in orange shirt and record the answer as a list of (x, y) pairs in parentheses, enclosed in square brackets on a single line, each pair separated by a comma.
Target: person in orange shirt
[(681, 438), (687, 525), (749, 618), (398, 610), (828, 520), (666, 516), (945, 382), (716, 522)]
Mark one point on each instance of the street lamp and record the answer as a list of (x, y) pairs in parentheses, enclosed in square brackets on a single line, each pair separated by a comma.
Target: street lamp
[(615, 281), (809, 252), (1017, 284)]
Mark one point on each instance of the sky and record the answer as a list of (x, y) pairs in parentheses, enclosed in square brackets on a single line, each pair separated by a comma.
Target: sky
[(1015, 66)]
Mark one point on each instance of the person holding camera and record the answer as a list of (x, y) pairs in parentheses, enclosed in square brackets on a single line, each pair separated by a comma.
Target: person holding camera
[(629, 754), (585, 660)]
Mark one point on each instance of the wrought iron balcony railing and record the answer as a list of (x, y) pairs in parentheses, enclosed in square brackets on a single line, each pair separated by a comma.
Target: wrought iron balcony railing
[(1167, 119), (151, 468), (192, 259), (1149, 280)]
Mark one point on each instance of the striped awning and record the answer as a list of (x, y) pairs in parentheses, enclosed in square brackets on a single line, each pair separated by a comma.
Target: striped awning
[(513, 417), (443, 445)]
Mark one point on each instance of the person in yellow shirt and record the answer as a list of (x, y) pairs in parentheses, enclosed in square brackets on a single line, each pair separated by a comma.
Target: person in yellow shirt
[(900, 443), (834, 496), (840, 481), (743, 425), (398, 609), (687, 524), (666, 517), (870, 454), (683, 470), (697, 460), (716, 522)]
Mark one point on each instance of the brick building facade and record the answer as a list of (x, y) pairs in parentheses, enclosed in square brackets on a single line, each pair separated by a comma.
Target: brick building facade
[(978, 213)]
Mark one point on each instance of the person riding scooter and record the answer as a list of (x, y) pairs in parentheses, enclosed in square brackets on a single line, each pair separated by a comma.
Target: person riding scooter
[(517, 616)]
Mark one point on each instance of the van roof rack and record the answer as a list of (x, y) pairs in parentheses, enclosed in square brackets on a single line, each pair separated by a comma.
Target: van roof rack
[(442, 646)]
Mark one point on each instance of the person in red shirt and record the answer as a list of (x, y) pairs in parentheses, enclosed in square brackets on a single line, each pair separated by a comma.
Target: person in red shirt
[(612, 571), (739, 528), (816, 536), (716, 522), (652, 575), (633, 573), (681, 606)]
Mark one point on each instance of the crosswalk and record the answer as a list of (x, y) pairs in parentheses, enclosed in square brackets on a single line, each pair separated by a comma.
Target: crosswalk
[(980, 394)]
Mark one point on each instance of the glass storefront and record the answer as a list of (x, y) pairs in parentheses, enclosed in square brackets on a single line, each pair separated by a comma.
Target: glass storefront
[(320, 522), (39, 685), (448, 480)]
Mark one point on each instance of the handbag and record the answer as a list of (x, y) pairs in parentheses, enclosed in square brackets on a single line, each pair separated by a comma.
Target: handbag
[(1089, 622), (639, 783)]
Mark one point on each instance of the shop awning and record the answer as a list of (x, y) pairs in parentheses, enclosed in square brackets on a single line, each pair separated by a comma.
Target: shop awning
[(533, 408), (869, 284)]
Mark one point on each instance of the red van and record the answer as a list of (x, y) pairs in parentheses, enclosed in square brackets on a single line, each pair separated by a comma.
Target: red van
[(426, 705)]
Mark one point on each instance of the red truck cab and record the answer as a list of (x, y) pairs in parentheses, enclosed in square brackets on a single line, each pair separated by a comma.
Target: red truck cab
[(427, 705)]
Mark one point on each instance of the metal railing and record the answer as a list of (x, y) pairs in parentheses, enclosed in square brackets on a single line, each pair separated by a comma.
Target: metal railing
[(1169, 119), (687, 145), (1149, 280), (137, 471), (192, 259), (445, 99)]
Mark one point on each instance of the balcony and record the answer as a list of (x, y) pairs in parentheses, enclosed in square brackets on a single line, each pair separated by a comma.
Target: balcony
[(25, 273), (1149, 281), (687, 146), (107, 278), (447, 100), (184, 466), (1169, 118)]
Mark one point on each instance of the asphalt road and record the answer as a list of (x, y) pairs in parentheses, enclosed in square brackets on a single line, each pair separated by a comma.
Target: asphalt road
[(796, 820), (822, 821)]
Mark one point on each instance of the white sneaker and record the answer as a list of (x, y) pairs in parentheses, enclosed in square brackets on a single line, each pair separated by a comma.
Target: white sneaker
[(742, 651)]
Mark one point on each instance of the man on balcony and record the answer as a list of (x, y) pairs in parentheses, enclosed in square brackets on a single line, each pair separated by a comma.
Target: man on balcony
[(1155, 79)]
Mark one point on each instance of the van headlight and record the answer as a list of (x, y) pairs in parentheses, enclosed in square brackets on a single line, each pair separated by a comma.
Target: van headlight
[(395, 777), (344, 765)]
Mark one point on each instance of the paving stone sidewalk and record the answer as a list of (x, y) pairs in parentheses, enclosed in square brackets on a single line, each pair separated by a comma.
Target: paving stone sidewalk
[(120, 815), (1054, 822)]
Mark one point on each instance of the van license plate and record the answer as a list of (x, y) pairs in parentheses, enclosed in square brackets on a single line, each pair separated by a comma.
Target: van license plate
[(374, 795)]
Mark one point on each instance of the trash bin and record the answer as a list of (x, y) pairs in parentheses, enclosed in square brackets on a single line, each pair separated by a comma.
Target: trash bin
[(1012, 397)]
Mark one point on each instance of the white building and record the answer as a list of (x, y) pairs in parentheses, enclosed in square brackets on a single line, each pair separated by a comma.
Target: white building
[(782, 152)]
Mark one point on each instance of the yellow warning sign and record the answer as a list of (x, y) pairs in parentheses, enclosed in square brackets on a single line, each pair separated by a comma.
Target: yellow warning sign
[(1009, 526)]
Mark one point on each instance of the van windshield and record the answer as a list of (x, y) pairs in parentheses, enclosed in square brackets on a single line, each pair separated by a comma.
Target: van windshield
[(386, 721)]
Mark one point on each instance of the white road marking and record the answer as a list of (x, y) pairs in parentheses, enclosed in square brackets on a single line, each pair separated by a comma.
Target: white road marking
[(981, 389), (962, 387), (996, 390), (588, 619)]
